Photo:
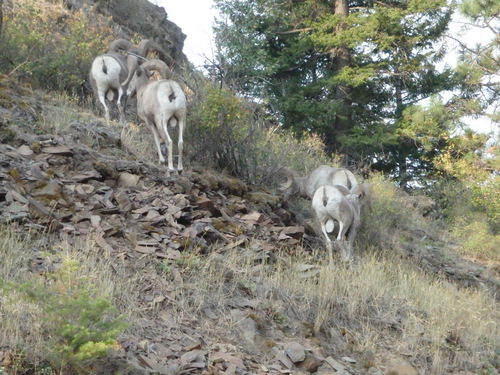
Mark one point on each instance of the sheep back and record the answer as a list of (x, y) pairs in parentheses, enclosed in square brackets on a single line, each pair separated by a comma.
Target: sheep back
[(325, 175)]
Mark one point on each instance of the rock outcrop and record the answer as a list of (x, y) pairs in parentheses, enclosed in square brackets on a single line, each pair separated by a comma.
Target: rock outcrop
[(145, 19)]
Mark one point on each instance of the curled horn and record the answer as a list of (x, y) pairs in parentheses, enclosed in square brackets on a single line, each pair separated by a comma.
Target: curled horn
[(159, 66), (132, 64), (365, 193), (289, 178), (349, 184), (143, 47), (118, 44), (133, 59)]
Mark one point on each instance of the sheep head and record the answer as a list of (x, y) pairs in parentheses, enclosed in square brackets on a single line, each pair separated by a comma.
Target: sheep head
[(142, 74), (365, 193), (291, 186)]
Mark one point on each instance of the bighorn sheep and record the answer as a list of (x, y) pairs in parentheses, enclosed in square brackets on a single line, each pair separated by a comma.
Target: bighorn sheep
[(108, 71), (324, 175), (330, 205), (158, 104)]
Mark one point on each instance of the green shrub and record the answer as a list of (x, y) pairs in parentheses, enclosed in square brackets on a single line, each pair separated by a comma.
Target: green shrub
[(475, 237), (231, 134), (80, 322), (469, 186)]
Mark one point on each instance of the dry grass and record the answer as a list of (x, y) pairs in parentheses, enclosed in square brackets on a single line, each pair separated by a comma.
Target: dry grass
[(59, 114), (378, 295), (378, 299), (22, 324), (140, 141)]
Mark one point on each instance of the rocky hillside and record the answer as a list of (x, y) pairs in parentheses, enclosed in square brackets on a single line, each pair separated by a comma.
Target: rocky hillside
[(221, 277), (83, 185)]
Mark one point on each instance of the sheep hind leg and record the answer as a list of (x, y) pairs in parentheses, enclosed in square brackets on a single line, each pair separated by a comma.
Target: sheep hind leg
[(344, 247), (328, 245), (180, 144), (351, 234), (102, 99), (121, 107), (168, 141), (341, 242), (157, 141)]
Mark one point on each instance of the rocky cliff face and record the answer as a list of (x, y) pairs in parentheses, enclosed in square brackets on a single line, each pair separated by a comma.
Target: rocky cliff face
[(145, 19)]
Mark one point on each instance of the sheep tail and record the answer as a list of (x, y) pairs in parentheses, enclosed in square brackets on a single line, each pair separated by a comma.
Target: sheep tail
[(325, 198), (171, 93), (104, 67)]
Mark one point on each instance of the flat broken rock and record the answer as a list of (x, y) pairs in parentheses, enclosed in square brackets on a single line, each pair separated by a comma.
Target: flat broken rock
[(194, 356), (128, 179), (295, 352), (295, 232), (58, 150)]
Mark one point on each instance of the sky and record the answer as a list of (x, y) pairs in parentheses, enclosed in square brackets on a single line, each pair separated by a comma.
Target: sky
[(196, 18)]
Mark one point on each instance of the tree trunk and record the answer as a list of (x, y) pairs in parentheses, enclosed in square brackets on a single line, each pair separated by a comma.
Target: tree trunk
[(342, 59), (1, 16), (402, 162)]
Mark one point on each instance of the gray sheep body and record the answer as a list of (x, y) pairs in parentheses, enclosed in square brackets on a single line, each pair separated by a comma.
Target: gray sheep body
[(323, 175), (330, 206), (109, 72), (160, 104)]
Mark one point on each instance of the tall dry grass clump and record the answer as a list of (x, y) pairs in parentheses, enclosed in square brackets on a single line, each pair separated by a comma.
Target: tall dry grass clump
[(378, 299), (20, 325)]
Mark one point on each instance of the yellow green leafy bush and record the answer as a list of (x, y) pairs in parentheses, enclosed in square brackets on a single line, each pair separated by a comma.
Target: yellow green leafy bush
[(229, 133), (471, 187), (49, 46)]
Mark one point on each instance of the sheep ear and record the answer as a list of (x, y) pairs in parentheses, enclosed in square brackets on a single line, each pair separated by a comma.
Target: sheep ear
[(367, 195)]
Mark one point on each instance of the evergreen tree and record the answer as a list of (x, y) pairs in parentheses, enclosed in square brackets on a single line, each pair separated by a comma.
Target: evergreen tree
[(345, 69), (480, 63), (264, 54)]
